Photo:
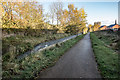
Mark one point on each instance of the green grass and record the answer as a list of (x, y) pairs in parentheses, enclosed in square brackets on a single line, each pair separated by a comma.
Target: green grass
[(107, 59), (30, 66), (16, 45)]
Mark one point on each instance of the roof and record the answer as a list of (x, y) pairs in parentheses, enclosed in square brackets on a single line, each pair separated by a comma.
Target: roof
[(111, 25), (101, 26)]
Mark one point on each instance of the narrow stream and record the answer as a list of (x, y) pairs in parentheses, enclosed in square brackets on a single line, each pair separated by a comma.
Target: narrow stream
[(46, 44)]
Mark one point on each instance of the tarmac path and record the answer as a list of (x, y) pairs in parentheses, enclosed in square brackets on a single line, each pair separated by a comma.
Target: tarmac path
[(77, 62)]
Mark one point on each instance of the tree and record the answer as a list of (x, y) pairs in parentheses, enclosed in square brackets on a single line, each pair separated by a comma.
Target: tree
[(65, 17), (22, 14), (72, 29), (83, 20), (7, 11), (96, 26), (52, 11), (56, 8), (90, 27), (76, 17), (85, 30)]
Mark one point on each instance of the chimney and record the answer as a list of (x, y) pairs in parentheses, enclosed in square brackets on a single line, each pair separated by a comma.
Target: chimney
[(115, 22)]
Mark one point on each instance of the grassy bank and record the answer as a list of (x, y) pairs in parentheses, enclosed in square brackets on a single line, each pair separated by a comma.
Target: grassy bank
[(16, 45), (31, 66), (106, 58), (110, 38)]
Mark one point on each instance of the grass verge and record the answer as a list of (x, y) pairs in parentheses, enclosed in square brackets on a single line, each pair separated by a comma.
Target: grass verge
[(31, 66), (106, 58)]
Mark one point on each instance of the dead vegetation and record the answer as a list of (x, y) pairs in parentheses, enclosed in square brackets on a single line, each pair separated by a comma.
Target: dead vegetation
[(110, 38)]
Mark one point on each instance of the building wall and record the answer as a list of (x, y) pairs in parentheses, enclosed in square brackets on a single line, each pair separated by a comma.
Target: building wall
[(116, 26), (103, 28)]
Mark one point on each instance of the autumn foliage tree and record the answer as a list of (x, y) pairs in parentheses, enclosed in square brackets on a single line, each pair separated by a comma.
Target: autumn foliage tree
[(7, 13), (71, 20), (21, 14), (30, 15), (75, 18), (96, 26), (90, 27)]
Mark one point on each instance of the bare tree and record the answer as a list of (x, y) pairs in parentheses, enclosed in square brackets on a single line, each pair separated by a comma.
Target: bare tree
[(56, 11), (52, 12)]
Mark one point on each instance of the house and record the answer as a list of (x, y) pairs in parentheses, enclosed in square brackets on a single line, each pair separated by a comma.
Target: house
[(104, 27), (96, 26), (112, 26)]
